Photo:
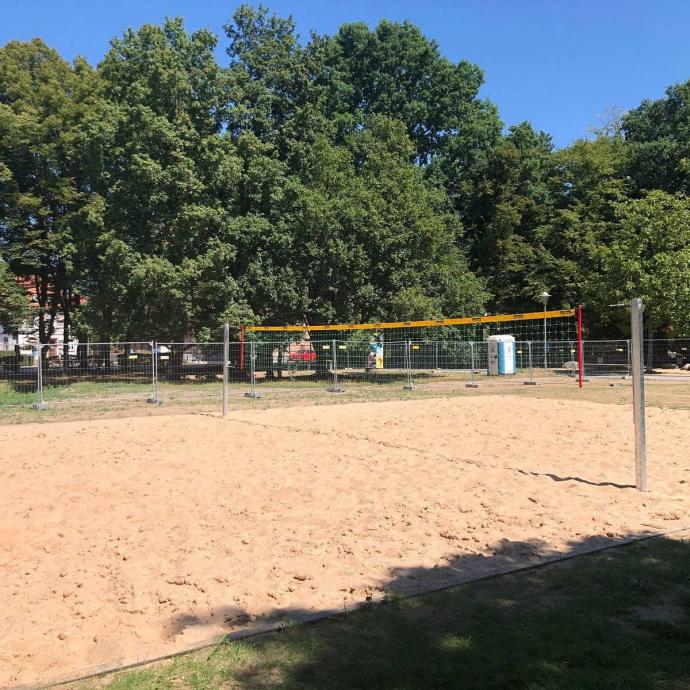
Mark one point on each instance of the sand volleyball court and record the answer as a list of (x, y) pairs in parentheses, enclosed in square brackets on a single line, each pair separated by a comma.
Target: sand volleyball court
[(132, 538)]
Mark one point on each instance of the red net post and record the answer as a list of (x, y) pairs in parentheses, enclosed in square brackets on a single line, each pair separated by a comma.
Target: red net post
[(580, 358)]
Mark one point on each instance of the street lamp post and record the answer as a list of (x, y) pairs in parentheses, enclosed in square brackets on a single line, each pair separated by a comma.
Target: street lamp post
[(545, 300)]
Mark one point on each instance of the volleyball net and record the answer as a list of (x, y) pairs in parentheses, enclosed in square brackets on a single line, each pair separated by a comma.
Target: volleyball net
[(548, 341)]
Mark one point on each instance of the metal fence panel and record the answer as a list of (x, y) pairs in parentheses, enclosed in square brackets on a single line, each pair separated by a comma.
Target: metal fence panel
[(667, 353), (157, 371), (88, 371), (606, 357), (18, 377), (193, 369)]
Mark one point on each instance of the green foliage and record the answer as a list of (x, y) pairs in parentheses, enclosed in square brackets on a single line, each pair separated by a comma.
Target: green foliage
[(168, 177), (42, 102), (658, 133), (396, 71), (14, 305), (375, 232), (509, 211), (351, 177), (587, 183), (650, 258)]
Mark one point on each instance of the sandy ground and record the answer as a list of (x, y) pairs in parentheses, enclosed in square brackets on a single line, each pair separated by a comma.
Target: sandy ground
[(129, 538)]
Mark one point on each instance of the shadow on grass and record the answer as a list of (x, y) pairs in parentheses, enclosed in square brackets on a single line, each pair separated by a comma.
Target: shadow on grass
[(345, 376), (616, 619)]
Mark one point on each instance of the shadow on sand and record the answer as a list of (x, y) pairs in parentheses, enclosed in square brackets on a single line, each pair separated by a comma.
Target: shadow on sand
[(618, 619)]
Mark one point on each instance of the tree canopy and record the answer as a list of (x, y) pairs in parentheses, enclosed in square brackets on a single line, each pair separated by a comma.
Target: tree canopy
[(352, 177)]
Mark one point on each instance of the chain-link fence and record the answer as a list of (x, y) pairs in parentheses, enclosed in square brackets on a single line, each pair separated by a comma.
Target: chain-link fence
[(158, 371)]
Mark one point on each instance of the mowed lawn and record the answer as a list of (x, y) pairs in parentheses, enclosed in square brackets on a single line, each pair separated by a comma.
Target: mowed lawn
[(617, 619)]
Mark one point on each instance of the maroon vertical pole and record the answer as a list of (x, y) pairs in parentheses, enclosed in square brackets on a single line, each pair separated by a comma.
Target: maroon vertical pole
[(580, 358)]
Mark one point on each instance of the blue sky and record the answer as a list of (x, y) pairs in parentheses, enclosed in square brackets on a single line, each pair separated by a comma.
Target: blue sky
[(558, 63)]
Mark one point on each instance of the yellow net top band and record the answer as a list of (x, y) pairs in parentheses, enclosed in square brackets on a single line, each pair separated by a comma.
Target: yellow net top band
[(463, 321)]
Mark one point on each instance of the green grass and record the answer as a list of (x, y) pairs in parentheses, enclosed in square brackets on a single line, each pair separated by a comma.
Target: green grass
[(91, 400), (80, 390), (9, 395), (618, 619)]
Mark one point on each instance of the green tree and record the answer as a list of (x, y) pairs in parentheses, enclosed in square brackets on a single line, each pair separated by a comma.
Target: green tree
[(349, 177), (269, 74), (588, 183), (506, 213), (168, 179), (658, 135), (378, 239), (650, 258), (42, 199), (14, 304), (395, 70), (320, 174)]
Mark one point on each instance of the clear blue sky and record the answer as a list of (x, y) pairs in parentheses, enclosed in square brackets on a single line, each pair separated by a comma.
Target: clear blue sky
[(557, 63)]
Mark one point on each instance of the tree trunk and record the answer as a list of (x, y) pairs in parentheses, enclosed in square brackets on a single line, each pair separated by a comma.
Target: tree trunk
[(17, 359), (40, 298), (65, 330)]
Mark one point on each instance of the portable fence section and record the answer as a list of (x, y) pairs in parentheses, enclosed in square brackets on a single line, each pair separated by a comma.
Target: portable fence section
[(285, 363), (92, 371), (268, 360), (667, 353), (606, 358), (158, 371), (18, 377), (192, 369)]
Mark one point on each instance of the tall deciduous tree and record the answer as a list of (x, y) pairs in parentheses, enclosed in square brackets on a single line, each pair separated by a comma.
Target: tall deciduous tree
[(377, 239), (506, 210), (333, 245), (168, 177), (349, 177), (658, 135), (650, 258), (588, 183), (395, 70), (42, 102)]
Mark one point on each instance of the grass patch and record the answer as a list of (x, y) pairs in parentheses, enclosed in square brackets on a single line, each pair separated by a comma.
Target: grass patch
[(16, 395), (74, 401), (599, 621)]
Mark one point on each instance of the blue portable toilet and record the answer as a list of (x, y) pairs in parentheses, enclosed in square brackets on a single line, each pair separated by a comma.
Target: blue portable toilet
[(501, 355)]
